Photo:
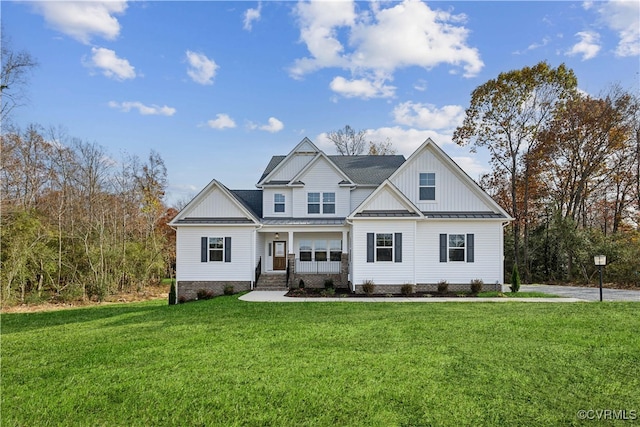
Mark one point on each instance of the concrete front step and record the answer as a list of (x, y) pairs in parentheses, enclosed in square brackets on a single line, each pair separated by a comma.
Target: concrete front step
[(271, 282)]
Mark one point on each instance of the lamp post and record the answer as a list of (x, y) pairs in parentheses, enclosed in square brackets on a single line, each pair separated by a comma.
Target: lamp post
[(600, 261)]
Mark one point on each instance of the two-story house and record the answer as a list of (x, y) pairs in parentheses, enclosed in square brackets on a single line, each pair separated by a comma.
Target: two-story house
[(351, 219)]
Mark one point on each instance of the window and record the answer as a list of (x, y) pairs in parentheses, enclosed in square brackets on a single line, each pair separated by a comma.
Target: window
[(216, 249), (313, 203), (305, 250), (320, 252), (278, 202), (335, 250), (384, 247), (427, 186), (329, 203), (456, 247)]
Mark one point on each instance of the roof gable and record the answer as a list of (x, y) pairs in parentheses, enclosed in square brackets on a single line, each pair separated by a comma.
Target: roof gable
[(215, 201), (281, 169), (451, 170), (386, 201), (321, 158)]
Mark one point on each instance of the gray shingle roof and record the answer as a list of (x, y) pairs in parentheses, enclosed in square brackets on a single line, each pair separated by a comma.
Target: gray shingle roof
[(362, 170), (251, 199)]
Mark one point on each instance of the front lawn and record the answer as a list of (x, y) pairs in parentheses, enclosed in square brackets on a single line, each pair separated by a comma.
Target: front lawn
[(228, 362)]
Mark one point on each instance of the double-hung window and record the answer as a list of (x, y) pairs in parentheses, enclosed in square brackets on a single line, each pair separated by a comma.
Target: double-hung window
[(326, 206), (305, 250), (216, 249), (329, 203), (320, 250), (384, 247), (313, 203), (335, 250), (457, 247), (428, 186), (278, 203)]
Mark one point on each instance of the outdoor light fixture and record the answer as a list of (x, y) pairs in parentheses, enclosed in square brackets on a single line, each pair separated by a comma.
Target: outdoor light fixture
[(277, 236), (600, 261)]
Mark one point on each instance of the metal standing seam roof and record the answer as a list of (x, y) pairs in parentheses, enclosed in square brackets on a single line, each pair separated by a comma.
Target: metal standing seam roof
[(303, 221), (386, 214), (471, 215), (203, 220)]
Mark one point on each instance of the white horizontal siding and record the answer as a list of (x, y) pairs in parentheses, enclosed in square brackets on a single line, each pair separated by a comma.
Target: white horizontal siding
[(383, 273), (488, 252), (358, 195), (216, 205), (268, 202), (189, 266), (452, 194)]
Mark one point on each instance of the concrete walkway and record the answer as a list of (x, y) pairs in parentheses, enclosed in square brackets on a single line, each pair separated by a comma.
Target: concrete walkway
[(278, 296), (588, 294)]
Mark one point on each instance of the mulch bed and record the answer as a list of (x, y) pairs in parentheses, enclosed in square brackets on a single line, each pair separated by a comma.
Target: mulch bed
[(345, 293)]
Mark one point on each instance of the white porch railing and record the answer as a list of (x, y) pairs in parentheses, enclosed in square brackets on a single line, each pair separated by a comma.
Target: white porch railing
[(318, 267)]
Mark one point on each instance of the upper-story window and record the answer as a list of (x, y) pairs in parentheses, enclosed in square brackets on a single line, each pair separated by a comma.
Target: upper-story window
[(278, 202), (328, 203), (428, 186)]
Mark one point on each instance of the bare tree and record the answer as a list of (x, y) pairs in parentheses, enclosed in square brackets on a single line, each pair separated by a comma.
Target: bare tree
[(13, 77), (348, 141), (383, 148)]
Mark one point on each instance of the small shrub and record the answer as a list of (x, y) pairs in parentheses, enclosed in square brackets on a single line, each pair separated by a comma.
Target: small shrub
[(228, 290), (515, 279), (301, 284), (443, 286), (368, 287), (407, 289), (328, 292), (476, 286), (182, 299), (172, 294), (328, 284), (204, 294)]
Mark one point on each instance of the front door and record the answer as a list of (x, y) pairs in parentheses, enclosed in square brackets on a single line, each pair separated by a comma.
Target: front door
[(279, 255)]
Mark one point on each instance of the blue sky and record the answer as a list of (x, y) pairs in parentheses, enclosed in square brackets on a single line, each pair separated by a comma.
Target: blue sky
[(218, 87)]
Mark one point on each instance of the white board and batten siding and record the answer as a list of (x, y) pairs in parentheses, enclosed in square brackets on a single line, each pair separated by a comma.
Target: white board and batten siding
[(290, 168), (452, 194), (190, 267), (387, 272), (215, 205), (358, 195), (488, 256)]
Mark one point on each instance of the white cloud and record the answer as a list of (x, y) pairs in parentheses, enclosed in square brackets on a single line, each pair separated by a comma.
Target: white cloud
[(623, 16), (83, 20), (427, 116), (381, 40), (145, 110), (471, 166), (588, 46), (222, 121), (273, 126), (251, 15), (361, 88), (202, 70), (111, 66)]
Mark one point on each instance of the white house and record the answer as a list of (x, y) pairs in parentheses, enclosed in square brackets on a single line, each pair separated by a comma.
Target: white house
[(350, 219)]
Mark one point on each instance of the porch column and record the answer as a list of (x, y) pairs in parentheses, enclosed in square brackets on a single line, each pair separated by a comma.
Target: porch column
[(345, 242), (290, 243)]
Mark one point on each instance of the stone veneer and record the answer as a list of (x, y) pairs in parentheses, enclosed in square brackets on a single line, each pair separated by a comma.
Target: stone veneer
[(424, 287), (189, 289)]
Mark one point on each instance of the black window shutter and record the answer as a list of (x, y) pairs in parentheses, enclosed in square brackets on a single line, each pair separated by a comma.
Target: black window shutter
[(370, 247), (204, 249), (398, 248), (443, 248), (470, 243), (227, 249)]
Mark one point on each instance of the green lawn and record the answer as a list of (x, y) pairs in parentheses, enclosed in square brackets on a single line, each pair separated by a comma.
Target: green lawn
[(227, 362)]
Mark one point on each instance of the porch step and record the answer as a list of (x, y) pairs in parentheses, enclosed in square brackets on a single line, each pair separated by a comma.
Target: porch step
[(271, 282)]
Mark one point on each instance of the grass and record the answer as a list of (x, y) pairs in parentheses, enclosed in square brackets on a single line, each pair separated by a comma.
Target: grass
[(224, 362), (494, 294)]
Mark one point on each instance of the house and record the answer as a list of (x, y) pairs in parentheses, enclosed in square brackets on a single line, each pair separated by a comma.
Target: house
[(350, 219)]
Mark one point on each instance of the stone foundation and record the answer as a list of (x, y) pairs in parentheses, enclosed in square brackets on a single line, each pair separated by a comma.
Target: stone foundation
[(188, 290), (428, 287)]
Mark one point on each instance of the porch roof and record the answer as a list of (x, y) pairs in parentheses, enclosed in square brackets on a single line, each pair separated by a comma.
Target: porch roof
[(463, 215), (202, 220), (303, 221)]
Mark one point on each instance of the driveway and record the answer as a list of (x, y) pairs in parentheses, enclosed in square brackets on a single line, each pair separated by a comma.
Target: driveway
[(590, 294)]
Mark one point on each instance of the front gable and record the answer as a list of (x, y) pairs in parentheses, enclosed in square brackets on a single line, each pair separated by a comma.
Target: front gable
[(386, 201), (445, 188), (322, 169), (214, 204), (291, 164)]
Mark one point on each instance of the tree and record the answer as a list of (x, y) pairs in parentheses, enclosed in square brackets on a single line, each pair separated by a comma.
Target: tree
[(505, 116), (348, 141), (381, 148), (16, 67)]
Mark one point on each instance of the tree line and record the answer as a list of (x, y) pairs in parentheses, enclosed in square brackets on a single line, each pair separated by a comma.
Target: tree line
[(566, 166), (77, 224)]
